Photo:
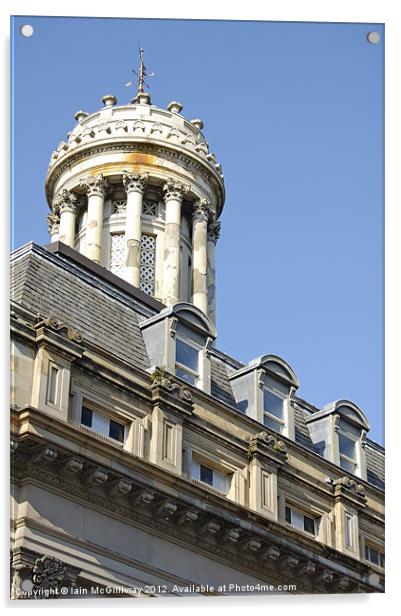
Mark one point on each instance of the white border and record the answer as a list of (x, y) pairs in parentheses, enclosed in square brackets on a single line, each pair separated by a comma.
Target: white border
[(383, 11)]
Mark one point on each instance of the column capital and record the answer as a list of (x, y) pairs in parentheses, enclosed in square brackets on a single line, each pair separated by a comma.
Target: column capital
[(134, 182), (213, 232), (53, 223), (174, 190), (65, 201), (202, 210), (95, 185)]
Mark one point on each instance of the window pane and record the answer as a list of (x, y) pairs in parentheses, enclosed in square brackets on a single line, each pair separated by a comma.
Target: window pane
[(373, 556), (348, 466), (206, 474), (309, 525), (271, 423), (86, 417), (221, 481), (272, 404), (297, 519), (347, 446), (187, 355), (185, 376), (195, 469), (288, 515), (116, 431)]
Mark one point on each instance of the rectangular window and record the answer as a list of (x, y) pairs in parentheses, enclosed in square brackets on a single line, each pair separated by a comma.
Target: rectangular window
[(301, 521), (53, 384), (187, 361), (210, 476), (273, 410), (347, 447), (374, 556), (103, 425), (349, 527)]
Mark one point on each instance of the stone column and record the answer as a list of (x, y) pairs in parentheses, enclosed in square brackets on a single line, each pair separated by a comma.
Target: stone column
[(135, 186), (96, 189), (199, 254), (67, 204), (174, 192), (53, 221), (213, 234)]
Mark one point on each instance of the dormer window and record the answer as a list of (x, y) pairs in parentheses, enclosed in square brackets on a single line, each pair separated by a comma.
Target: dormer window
[(263, 390), (177, 340), (273, 410), (338, 433), (187, 361)]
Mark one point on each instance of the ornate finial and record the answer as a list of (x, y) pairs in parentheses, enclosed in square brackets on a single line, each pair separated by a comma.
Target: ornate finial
[(141, 96), (142, 72)]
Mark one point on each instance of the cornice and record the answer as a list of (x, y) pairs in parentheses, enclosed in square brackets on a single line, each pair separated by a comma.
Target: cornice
[(190, 161), (244, 540)]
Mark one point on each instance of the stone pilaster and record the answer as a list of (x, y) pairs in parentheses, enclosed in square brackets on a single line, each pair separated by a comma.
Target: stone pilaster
[(66, 204), (95, 187), (174, 193), (199, 254), (213, 234), (135, 186)]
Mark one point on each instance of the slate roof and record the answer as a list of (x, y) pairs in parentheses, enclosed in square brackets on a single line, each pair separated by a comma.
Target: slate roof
[(58, 281)]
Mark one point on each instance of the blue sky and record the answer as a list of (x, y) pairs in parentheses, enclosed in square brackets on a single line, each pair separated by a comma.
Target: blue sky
[(294, 112)]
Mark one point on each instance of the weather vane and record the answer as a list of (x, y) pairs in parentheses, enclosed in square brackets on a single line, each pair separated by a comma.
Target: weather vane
[(141, 74)]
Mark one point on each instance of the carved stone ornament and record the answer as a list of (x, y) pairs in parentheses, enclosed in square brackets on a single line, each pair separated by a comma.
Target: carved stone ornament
[(202, 210), (133, 182), (48, 573), (210, 528), (46, 454), (95, 185), (65, 201), (231, 536), (213, 232), (60, 326), (187, 518), (161, 378), (266, 439), (174, 190), (308, 568), (53, 223), (252, 545), (272, 553), (327, 576), (350, 484)]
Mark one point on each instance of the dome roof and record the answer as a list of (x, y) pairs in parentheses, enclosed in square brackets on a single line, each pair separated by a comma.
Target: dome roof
[(139, 122)]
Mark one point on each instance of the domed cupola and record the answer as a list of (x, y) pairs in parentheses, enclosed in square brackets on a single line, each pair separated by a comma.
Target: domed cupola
[(135, 189)]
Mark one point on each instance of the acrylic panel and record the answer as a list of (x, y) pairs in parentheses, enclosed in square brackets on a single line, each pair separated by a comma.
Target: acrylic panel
[(222, 178)]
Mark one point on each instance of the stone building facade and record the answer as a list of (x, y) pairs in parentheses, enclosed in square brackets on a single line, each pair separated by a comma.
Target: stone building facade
[(146, 461)]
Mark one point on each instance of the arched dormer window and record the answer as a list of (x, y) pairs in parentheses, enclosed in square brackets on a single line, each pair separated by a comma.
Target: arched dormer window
[(263, 390), (338, 432), (178, 339)]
